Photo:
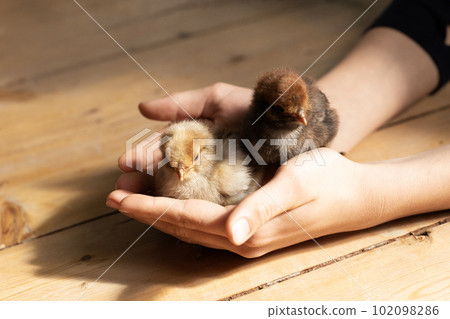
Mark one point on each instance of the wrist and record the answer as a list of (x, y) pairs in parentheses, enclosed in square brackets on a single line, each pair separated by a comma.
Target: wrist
[(384, 196), (408, 186)]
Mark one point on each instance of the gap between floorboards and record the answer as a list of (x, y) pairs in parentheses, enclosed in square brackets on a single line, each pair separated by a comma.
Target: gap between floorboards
[(422, 231)]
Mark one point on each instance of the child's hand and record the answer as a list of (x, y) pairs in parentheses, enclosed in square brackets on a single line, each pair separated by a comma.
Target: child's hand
[(320, 200), (223, 104), (316, 193)]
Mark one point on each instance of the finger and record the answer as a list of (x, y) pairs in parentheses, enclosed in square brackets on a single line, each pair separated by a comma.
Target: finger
[(135, 182), (114, 198), (193, 236), (193, 213), (277, 196), (206, 239), (285, 230), (178, 106)]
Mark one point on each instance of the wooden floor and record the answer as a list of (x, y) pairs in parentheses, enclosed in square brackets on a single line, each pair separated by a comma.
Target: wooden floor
[(68, 102)]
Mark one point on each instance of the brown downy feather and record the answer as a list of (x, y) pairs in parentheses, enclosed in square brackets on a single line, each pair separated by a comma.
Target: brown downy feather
[(301, 112)]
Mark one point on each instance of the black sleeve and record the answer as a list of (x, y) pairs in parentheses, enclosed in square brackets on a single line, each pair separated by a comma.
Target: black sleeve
[(426, 22)]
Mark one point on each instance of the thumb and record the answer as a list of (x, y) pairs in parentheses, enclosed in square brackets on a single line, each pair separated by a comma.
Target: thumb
[(258, 208)]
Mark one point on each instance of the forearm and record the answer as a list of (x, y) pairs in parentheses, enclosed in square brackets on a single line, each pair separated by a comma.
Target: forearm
[(410, 185), (382, 75)]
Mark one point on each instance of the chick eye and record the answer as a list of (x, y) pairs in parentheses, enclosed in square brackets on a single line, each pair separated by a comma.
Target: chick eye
[(196, 157), (278, 108)]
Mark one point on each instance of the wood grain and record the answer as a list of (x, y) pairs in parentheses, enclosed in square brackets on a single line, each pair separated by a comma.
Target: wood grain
[(13, 224), (68, 101), (62, 132), (63, 265), (428, 105), (413, 267), (247, 274), (413, 136)]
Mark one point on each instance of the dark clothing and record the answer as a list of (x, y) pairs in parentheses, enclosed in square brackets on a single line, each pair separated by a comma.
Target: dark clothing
[(424, 21)]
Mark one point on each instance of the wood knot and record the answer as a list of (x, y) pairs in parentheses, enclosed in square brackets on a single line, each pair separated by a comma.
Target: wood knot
[(13, 224), (237, 58), (16, 94), (421, 235), (86, 258), (184, 35)]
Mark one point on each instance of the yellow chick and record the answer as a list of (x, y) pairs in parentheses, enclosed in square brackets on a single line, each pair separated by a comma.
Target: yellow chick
[(196, 169)]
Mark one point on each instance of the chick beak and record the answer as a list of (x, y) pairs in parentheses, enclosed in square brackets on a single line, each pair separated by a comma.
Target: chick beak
[(301, 117), (181, 173)]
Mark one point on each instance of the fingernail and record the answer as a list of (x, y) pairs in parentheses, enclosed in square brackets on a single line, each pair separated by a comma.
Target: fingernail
[(240, 231), (112, 203)]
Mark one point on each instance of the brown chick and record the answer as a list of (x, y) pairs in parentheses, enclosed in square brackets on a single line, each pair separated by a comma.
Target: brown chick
[(302, 112), (191, 173)]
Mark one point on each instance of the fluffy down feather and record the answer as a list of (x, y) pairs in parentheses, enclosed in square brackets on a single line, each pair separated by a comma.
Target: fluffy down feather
[(301, 113)]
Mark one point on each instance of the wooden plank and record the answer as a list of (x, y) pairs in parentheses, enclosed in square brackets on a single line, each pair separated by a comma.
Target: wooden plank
[(410, 268), (65, 38), (62, 266), (59, 144), (414, 136), (63, 35), (427, 105), (216, 275)]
